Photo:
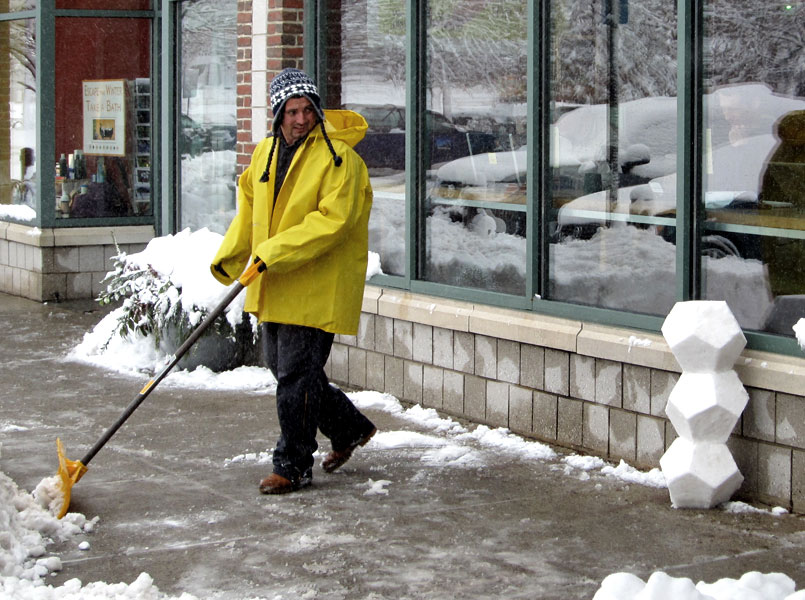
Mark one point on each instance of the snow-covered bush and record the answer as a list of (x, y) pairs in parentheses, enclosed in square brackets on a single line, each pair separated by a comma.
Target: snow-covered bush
[(166, 291), (152, 303)]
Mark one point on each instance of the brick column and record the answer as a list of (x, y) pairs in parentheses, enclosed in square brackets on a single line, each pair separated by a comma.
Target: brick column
[(245, 145), (270, 38)]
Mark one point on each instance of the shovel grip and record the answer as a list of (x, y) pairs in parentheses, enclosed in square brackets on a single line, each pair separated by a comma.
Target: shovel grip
[(250, 274)]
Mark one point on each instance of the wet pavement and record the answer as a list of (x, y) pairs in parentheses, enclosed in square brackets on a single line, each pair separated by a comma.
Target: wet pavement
[(173, 505)]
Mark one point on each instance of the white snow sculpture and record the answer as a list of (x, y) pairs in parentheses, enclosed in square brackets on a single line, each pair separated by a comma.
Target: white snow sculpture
[(704, 336), (705, 404), (699, 474), (705, 407)]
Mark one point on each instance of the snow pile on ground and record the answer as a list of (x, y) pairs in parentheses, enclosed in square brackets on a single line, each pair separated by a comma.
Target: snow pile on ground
[(182, 260), (142, 588), (660, 586), (26, 528)]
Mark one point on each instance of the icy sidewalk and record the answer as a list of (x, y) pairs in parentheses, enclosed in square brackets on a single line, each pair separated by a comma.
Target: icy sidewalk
[(429, 509)]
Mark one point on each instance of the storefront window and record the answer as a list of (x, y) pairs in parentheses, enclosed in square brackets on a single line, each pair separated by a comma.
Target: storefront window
[(613, 154), (370, 79), (103, 118), (474, 213), (18, 119), (207, 131), (753, 205)]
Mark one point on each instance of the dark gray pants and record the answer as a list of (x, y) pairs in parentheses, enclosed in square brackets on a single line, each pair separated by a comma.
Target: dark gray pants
[(305, 399)]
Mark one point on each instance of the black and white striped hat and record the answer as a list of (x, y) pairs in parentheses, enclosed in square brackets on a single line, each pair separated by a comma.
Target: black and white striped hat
[(292, 83)]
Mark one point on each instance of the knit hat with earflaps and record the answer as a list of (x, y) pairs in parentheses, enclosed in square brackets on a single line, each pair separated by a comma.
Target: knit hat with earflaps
[(293, 83)]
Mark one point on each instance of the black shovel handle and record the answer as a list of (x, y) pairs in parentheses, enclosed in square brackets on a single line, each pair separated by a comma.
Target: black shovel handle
[(248, 276)]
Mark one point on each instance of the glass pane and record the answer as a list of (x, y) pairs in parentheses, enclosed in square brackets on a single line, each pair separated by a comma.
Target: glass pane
[(103, 117), (370, 79), (474, 145), (613, 154), (18, 120), (207, 132), (105, 4), (753, 240)]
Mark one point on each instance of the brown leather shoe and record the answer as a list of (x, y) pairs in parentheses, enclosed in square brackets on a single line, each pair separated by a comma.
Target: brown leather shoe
[(337, 458), (277, 484)]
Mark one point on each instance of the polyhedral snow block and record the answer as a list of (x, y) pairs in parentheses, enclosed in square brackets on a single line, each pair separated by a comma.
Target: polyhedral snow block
[(706, 406), (699, 475), (703, 335)]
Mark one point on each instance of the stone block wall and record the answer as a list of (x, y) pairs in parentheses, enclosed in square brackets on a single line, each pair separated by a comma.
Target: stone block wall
[(62, 264), (587, 388)]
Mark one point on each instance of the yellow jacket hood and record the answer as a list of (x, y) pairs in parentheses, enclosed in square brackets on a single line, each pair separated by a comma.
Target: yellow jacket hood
[(345, 125)]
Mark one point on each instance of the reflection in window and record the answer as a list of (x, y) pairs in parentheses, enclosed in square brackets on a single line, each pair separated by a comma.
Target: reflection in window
[(370, 79), (18, 120), (103, 120), (753, 239), (475, 136), (207, 128), (17, 5), (613, 154)]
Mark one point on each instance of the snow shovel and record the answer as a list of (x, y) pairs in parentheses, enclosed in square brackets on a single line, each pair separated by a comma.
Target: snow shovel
[(70, 471)]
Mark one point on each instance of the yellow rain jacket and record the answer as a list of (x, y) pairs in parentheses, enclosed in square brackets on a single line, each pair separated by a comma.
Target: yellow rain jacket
[(314, 240)]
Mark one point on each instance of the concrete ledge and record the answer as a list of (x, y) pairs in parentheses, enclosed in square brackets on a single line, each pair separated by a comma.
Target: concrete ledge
[(630, 346), (30, 236), (528, 328), (371, 294), (426, 310), (777, 372), (97, 236), (79, 236)]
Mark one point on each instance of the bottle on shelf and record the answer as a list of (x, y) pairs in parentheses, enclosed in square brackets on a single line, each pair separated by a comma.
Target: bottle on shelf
[(80, 165)]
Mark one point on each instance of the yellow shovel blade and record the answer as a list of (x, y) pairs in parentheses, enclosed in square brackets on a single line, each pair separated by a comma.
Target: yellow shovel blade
[(70, 471)]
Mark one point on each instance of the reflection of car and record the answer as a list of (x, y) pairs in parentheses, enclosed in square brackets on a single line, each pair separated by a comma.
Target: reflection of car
[(496, 183), (384, 143), (733, 199), (732, 196), (484, 182), (193, 138), (578, 161)]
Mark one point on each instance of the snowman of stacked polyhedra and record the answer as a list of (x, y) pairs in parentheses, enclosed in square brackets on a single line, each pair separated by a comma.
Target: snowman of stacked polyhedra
[(704, 405)]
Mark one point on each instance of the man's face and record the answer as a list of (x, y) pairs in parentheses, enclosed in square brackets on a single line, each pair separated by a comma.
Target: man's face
[(298, 119)]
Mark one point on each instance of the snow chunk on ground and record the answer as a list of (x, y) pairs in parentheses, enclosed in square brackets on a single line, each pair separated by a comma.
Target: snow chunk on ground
[(751, 586), (25, 530), (142, 588), (49, 494)]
